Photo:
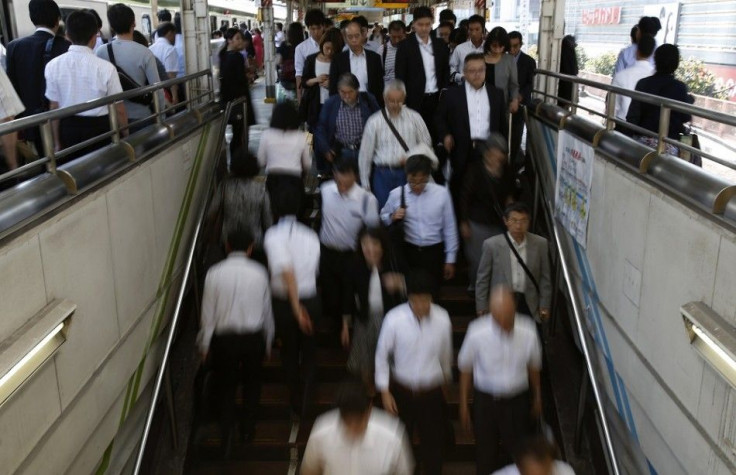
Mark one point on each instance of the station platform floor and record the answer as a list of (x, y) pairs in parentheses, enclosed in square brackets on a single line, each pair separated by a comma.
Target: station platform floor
[(279, 441)]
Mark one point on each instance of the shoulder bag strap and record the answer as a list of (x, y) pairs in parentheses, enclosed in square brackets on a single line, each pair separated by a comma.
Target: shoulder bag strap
[(403, 198), (395, 132), (111, 55), (385, 50), (521, 261)]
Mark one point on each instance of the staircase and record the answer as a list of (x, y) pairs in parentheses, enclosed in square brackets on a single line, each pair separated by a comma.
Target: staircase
[(279, 442)]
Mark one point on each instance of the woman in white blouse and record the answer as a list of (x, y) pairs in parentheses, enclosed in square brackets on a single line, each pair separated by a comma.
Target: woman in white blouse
[(284, 152), (316, 77)]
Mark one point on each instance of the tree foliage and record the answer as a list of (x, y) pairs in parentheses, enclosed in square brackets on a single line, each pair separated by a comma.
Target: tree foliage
[(602, 64), (699, 80)]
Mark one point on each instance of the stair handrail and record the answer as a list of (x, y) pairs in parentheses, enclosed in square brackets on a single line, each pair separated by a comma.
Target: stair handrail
[(182, 292), (579, 327)]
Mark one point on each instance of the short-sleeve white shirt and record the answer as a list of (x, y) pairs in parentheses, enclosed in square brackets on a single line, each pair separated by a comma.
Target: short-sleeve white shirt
[(166, 53), (500, 361), (290, 245), (79, 76)]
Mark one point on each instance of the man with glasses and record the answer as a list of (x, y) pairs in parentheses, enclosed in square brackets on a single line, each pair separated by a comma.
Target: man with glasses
[(363, 63), (430, 232), (517, 259), (467, 116)]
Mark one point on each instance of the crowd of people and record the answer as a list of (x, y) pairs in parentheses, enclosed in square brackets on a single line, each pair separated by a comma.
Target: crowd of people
[(417, 143), (50, 69), (393, 116)]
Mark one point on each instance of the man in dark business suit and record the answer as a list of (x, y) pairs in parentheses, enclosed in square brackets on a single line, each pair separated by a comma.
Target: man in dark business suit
[(363, 63), (27, 58), (461, 128), (525, 66), (423, 63)]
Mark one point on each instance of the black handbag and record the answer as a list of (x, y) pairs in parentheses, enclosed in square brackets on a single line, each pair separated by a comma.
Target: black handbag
[(128, 83)]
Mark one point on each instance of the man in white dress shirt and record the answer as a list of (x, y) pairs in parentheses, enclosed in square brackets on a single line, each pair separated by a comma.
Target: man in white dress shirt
[(381, 151), (430, 230), (357, 439), (315, 21), (628, 77), (476, 32), (237, 328), (417, 337), (77, 77), (163, 48), (501, 357), (293, 259), (346, 209)]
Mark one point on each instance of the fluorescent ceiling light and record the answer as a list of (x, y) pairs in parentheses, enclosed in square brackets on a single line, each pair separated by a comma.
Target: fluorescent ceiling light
[(713, 337)]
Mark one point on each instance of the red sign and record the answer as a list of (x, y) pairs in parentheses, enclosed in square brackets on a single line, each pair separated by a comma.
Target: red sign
[(602, 16)]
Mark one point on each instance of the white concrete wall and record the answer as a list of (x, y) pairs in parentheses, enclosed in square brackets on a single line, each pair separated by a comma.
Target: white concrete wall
[(106, 253), (648, 254)]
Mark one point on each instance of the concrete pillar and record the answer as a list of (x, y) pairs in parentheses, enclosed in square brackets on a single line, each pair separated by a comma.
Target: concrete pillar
[(551, 32), (269, 52), (195, 26)]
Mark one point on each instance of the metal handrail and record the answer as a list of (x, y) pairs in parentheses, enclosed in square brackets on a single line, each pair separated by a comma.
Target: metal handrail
[(179, 301), (666, 107), (38, 119), (579, 327), (647, 98)]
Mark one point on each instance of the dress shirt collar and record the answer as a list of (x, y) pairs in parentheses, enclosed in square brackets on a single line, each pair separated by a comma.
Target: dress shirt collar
[(288, 219), (46, 30), (470, 89), (237, 255), (397, 116), (518, 245), (643, 63), (422, 43), (353, 54), (80, 49)]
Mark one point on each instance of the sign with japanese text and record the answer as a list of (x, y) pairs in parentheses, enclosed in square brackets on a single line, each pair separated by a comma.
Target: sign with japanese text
[(602, 16), (575, 160)]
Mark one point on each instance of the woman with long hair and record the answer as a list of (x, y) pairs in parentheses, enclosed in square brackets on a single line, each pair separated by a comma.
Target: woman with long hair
[(258, 46), (373, 288), (234, 84), (500, 67), (316, 77)]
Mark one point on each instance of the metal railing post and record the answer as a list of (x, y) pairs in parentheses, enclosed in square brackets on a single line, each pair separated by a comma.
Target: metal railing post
[(664, 128), (157, 107), (112, 112), (574, 97), (188, 95), (47, 137), (610, 110)]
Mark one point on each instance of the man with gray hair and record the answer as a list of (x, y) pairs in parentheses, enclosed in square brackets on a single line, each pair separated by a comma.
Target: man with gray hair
[(388, 136)]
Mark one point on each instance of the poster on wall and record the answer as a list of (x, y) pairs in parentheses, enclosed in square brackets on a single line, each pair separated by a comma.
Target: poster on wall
[(572, 189), (668, 14)]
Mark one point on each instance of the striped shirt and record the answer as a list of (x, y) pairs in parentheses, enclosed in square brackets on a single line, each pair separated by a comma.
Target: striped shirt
[(349, 126), (79, 76), (388, 55), (380, 145)]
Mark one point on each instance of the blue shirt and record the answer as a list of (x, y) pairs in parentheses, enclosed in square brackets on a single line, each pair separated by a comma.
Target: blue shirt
[(429, 220)]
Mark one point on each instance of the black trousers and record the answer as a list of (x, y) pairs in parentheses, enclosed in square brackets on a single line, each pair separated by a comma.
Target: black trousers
[(425, 411), (77, 129), (297, 351), (429, 259), (427, 110), (333, 271), (517, 131), (521, 305), (500, 425), (277, 183), (237, 358)]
